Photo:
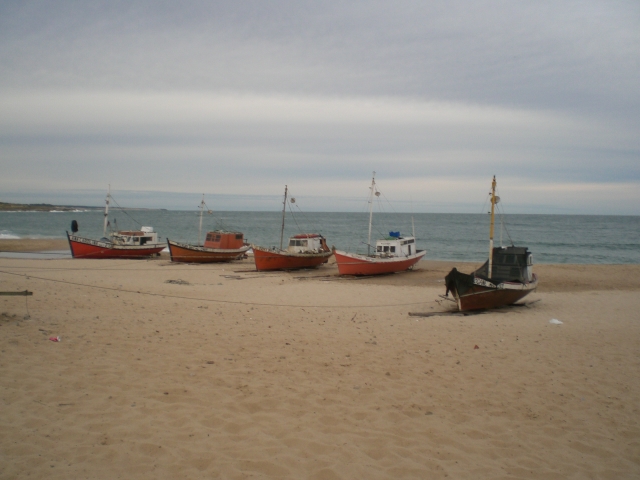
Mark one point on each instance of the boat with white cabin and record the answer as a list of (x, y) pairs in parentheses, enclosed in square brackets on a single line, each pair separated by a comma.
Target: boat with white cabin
[(394, 253), (140, 243)]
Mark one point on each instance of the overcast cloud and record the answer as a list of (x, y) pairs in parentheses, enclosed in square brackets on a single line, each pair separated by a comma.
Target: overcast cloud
[(237, 99)]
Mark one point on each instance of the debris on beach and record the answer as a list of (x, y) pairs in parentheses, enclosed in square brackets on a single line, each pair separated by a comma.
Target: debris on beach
[(555, 321)]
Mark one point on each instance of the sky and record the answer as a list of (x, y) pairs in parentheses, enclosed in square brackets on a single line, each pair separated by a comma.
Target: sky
[(165, 101)]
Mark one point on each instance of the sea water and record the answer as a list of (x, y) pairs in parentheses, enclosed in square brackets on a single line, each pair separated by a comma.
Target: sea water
[(582, 239)]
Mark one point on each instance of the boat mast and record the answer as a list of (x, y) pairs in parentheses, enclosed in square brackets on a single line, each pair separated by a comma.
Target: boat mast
[(106, 212), (493, 206), (284, 205), (200, 229), (373, 185)]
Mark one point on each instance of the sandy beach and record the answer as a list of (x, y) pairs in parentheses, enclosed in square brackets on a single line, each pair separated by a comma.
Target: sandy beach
[(217, 371)]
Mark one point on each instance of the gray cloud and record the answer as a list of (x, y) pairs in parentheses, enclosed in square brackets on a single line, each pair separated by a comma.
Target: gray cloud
[(242, 97)]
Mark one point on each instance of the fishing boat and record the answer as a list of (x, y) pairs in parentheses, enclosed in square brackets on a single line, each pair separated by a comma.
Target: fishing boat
[(119, 244), (505, 277), (395, 253), (219, 246), (305, 250)]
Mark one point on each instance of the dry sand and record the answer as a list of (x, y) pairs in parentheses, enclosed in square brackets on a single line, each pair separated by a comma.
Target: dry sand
[(217, 371)]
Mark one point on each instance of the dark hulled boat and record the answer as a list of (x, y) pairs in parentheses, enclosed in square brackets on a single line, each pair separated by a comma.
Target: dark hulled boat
[(505, 278)]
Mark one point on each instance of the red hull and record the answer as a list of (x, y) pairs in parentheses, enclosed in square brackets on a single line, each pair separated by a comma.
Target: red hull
[(87, 248), (270, 260), (353, 264), (183, 252)]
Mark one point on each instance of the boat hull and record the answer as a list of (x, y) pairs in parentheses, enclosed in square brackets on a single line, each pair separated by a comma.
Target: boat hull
[(186, 253), (266, 259), (484, 295), (87, 248), (354, 264)]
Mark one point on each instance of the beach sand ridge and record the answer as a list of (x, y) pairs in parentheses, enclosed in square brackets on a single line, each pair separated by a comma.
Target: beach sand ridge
[(216, 371)]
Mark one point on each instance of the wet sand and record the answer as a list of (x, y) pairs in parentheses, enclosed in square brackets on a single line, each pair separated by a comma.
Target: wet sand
[(217, 371)]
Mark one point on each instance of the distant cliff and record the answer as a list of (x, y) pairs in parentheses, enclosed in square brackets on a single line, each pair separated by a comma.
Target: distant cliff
[(41, 207)]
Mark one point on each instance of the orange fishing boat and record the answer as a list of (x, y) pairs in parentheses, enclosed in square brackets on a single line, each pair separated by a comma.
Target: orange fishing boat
[(395, 253), (505, 278), (305, 250), (120, 244), (219, 246)]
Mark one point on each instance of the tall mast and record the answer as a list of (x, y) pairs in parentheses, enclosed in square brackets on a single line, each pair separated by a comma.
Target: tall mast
[(106, 212), (284, 205), (200, 229), (493, 206), (373, 187), (413, 225)]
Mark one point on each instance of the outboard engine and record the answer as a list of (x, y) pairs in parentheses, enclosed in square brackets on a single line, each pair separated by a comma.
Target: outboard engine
[(74, 226)]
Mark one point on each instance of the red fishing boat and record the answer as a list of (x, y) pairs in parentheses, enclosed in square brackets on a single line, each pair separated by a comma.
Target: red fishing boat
[(120, 244), (505, 278), (394, 253), (219, 246), (305, 250)]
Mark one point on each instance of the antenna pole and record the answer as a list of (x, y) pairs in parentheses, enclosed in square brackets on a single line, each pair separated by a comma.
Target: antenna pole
[(493, 206), (284, 205), (106, 212), (200, 229), (373, 186)]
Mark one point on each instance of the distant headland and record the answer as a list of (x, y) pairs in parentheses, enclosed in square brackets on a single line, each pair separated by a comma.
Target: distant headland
[(42, 207)]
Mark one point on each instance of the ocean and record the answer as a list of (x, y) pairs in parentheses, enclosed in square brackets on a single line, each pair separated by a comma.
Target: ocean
[(577, 239)]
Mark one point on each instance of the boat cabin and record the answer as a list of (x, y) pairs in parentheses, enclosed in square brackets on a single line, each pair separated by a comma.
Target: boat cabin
[(144, 236), (307, 243), (510, 264), (226, 240), (395, 246)]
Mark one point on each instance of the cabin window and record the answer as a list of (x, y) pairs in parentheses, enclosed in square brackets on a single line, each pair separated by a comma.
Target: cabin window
[(304, 243), (209, 237), (217, 239), (392, 249), (510, 259), (386, 249), (378, 248), (239, 236), (411, 241)]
